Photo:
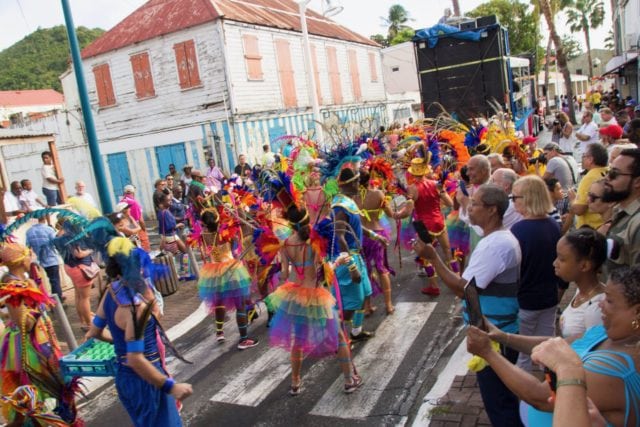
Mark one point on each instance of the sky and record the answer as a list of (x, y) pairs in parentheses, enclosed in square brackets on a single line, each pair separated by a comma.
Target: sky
[(18, 18)]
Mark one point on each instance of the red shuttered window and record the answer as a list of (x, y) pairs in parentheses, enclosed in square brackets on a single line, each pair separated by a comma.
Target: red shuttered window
[(252, 57), (316, 73), (334, 75), (142, 76), (355, 75), (104, 86), (285, 71), (187, 63), (372, 67)]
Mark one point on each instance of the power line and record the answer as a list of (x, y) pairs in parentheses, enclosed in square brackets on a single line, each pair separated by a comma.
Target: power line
[(23, 15)]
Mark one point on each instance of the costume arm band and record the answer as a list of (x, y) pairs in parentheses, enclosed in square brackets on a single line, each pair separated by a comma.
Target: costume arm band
[(135, 346), (168, 385), (99, 322)]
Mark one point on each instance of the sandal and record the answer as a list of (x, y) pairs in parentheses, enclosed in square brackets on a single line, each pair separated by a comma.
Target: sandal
[(390, 310), (353, 384), (295, 390)]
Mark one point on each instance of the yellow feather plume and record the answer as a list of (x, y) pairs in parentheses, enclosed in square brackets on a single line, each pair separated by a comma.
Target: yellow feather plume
[(119, 245)]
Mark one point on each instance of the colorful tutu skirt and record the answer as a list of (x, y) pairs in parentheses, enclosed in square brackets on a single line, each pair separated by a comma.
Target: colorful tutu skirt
[(458, 232), (225, 283), (375, 257), (305, 318)]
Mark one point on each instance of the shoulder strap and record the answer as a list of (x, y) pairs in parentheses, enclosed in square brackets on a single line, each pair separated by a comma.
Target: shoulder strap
[(573, 175)]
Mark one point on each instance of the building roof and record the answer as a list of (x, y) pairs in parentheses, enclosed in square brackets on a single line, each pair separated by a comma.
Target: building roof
[(159, 17), (23, 98)]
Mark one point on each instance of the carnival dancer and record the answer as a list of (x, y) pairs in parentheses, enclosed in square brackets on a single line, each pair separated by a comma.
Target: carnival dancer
[(224, 282), (306, 321), (129, 309), (29, 349), (352, 278), (427, 195), (372, 203)]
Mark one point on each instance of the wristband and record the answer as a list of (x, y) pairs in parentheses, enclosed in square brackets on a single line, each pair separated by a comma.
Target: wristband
[(572, 381), (135, 346), (99, 322), (168, 385)]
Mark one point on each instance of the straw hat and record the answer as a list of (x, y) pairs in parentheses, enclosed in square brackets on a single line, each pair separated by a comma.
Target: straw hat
[(419, 167)]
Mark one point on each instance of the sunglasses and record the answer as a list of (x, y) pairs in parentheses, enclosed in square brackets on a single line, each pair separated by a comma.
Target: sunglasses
[(614, 173), (513, 198), (592, 197)]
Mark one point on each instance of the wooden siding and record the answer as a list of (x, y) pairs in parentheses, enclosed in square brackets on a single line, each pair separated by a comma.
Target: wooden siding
[(142, 76), (252, 96), (286, 74), (172, 107), (187, 64), (354, 71), (104, 85)]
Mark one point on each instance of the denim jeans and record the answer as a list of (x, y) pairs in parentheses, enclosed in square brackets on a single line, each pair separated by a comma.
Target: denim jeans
[(52, 196), (53, 273)]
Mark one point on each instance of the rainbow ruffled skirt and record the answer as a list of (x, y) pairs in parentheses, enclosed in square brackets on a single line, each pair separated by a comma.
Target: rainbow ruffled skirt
[(225, 283), (305, 318)]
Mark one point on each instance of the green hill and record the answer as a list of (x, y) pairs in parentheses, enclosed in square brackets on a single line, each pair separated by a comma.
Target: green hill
[(37, 61)]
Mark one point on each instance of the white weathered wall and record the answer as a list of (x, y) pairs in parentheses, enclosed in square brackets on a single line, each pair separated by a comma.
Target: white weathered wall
[(404, 80), (250, 96), (171, 107), (7, 112)]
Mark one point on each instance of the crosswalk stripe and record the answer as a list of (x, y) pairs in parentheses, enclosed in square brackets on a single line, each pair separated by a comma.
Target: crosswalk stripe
[(255, 381), (377, 363)]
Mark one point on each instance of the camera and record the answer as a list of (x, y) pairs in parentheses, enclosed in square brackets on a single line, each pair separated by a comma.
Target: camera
[(556, 122), (542, 159)]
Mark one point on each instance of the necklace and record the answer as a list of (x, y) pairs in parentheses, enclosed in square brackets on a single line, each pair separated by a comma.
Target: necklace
[(580, 299)]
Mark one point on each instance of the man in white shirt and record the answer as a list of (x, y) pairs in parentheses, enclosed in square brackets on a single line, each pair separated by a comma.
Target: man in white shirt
[(82, 194), (587, 133), (504, 178), (50, 181), (12, 205), (29, 198)]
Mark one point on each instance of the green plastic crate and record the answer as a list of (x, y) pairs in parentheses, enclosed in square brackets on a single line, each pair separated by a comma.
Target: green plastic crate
[(94, 358)]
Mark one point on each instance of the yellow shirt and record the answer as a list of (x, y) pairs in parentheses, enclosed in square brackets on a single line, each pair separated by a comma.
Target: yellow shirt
[(591, 219)]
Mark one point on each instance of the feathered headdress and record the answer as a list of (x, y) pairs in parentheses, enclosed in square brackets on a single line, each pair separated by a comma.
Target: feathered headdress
[(334, 160)]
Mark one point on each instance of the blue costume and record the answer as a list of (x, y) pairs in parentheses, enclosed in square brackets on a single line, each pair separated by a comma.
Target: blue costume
[(146, 404), (605, 362), (352, 294)]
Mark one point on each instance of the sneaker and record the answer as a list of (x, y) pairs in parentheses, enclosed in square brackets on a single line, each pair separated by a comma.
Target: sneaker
[(295, 390), (353, 385), (220, 336), (247, 343), (362, 336), (431, 290)]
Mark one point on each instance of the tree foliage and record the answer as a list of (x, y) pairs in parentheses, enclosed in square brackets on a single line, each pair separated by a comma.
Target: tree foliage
[(585, 15), (38, 60), (572, 47), (516, 17), (396, 20), (380, 39), (404, 35)]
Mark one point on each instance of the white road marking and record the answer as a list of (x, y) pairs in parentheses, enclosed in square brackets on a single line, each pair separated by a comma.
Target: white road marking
[(457, 366), (376, 363)]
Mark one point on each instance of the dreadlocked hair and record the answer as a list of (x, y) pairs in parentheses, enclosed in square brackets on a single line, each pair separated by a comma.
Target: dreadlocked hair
[(299, 219)]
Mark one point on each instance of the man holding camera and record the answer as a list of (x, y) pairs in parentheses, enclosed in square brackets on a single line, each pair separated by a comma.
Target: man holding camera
[(561, 167)]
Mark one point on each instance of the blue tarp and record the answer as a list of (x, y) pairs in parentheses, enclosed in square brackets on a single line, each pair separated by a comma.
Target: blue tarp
[(432, 34)]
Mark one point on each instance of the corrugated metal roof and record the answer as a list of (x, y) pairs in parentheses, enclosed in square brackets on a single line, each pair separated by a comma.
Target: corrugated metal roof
[(22, 98), (21, 133), (158, 17)]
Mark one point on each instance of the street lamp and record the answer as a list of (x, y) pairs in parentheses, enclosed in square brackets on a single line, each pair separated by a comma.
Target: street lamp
[(311, 82)]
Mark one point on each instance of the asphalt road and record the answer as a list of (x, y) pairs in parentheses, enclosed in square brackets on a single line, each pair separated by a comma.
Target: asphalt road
[(250, 388)]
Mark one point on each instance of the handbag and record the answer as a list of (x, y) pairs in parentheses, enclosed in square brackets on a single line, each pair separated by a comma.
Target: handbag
[(90, 271)]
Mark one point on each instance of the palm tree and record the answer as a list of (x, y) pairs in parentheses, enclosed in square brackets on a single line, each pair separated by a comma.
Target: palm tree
[(396, 20), (548, 8), (609, 41), (584, 15)]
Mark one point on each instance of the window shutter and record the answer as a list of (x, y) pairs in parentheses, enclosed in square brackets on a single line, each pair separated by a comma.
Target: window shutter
[(142, 76), (285, 71), (355, 74), (316, 73), (372, 67), (181, 64), (252, 57), (104, 85), (334, 75), (192, 63)]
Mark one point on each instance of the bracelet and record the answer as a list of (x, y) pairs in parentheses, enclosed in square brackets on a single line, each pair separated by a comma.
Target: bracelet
[(572, 381), (168, 385), (353, 267)]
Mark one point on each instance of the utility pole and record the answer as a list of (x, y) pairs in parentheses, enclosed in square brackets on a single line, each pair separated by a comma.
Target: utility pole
[(92, 137)]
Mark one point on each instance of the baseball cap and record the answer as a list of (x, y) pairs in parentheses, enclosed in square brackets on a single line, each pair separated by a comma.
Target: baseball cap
[(614, 131), (529, 139), (187, 167), (552, 146), (631, 103), (129, 189), (121, 206)]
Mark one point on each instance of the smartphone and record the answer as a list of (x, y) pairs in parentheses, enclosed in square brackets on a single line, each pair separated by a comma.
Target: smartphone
[(472, 299), (422, 232), (463, 187)]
